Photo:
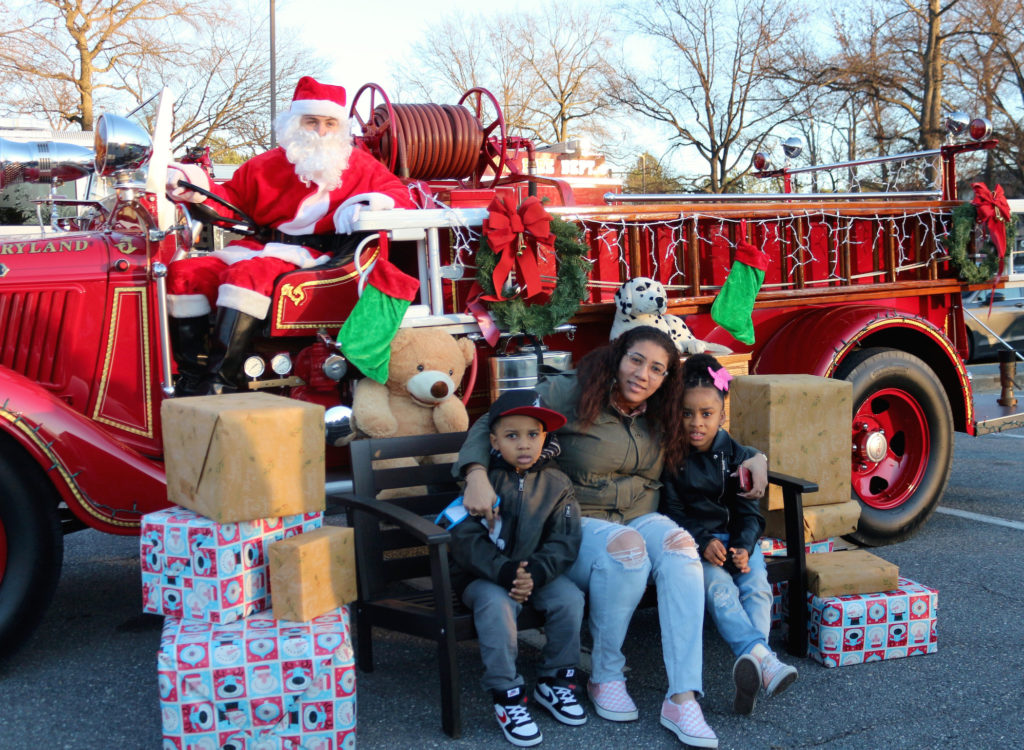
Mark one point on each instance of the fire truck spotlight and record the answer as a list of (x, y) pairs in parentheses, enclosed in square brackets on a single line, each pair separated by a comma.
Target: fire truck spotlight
[(979, 129), (957, 123), (335, 367), (120, 145), (762, 161), (793, 146), (338, 424)]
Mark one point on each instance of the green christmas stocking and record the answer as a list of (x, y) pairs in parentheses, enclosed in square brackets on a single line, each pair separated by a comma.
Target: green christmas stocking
[(735, 301), (365, 337)]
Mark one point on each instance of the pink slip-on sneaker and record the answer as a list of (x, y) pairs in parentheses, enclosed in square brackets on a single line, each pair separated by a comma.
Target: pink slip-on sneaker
[(611, 701), (686, 721)]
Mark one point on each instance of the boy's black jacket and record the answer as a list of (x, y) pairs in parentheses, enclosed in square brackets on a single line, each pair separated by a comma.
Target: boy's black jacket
[(703, 499), (540, 523)]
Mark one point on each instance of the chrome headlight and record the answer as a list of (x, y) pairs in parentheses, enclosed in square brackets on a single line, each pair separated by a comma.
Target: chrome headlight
[(120, 145)]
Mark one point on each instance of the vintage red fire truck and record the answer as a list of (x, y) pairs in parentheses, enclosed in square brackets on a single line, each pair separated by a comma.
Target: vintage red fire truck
[(860, 287)]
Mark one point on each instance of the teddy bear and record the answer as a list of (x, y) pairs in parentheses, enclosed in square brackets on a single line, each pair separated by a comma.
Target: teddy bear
[(642, 302), (418, 398)]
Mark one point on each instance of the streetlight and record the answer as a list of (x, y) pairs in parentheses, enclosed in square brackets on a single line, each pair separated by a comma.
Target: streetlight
[(643, 172)]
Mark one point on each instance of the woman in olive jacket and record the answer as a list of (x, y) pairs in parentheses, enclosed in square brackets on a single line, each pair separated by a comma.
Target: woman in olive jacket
[(623, 406)]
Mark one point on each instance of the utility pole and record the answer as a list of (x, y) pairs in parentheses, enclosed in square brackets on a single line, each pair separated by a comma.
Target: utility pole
[(273, 81)]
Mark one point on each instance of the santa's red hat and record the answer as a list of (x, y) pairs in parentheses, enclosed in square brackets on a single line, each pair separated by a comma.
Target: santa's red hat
[(314, 98)]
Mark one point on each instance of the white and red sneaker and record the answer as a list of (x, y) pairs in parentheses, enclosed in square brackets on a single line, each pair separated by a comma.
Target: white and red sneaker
[(558, 695), (514, 717), (686, 721)]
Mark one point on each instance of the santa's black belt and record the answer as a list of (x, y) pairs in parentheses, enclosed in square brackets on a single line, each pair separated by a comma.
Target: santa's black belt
[(324, 243)]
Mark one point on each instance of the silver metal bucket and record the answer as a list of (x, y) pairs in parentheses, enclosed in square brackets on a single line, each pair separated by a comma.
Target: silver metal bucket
[(521, 370)]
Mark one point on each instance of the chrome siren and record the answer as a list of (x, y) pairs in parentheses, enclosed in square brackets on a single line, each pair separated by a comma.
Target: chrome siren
[(43, 161)]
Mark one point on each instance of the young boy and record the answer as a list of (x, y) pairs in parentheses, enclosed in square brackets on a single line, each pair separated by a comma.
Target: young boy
[(535, 540)]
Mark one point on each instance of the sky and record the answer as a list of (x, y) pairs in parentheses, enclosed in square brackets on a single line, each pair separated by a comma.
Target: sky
[(363, 39)]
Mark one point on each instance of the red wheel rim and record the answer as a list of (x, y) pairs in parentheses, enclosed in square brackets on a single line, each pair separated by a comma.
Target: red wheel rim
[(891, 443), (3, 550), (492, 154), (379, 130)]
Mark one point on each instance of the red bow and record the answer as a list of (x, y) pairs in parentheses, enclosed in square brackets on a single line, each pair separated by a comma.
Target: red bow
[(994, 213), (503, 227)]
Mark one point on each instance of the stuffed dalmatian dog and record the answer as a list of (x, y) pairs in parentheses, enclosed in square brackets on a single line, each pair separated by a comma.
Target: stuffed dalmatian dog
[(643, 302)]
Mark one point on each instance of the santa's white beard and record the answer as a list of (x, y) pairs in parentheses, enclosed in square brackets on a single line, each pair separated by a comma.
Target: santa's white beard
[(319, 159)]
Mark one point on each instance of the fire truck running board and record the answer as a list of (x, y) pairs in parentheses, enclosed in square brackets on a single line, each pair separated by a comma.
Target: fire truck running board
[(993, 417)]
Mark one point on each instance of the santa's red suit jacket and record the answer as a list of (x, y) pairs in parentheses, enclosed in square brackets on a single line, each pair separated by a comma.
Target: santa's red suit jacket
[(267, 188)]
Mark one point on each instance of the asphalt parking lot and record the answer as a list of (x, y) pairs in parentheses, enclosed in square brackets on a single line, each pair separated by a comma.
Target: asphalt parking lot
[(88, 677)]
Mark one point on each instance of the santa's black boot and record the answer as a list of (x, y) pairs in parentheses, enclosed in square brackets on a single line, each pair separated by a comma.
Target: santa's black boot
[(190, 339), (232, 333)]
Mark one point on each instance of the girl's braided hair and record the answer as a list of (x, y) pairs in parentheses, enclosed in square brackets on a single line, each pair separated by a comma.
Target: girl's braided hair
[(697, 373)]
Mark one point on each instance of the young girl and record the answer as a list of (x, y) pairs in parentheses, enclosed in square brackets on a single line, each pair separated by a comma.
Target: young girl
[(704, 497)]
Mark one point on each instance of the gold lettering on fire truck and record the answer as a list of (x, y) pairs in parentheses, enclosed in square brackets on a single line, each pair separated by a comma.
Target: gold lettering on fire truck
[(63, 246), (125, 247)]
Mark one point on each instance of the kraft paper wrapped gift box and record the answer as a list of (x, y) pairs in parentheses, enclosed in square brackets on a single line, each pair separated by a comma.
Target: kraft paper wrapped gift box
[(313, 573), (854, 571), (258, 683), (802, 423), (197, 568), (243, 456), (820, 521), (862, 628)]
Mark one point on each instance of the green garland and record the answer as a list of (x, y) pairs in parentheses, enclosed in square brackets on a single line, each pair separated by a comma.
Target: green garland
[(960, 236), (516, 316)]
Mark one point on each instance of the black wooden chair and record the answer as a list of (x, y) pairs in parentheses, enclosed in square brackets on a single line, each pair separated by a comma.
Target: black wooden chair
[(792, 568), (402, 557)]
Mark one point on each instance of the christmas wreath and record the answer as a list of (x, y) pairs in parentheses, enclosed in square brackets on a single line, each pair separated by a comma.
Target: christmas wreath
[(964, 220), (518, 315)]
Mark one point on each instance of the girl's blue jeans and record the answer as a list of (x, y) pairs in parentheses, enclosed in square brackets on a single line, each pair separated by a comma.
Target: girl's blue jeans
[(739, 604)]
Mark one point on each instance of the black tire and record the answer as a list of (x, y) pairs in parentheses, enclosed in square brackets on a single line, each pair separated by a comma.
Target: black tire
[(33, 547), (897, 391)]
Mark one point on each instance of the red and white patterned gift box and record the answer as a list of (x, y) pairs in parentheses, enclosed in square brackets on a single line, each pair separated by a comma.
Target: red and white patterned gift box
[(861, 628), (258, 684), (197, 568)]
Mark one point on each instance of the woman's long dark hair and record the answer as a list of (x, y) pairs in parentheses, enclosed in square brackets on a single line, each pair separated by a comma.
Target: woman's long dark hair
[(599, 369)]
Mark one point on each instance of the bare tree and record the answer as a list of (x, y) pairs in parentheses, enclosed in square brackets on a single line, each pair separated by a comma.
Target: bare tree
[(213, 54), (66, 53), (545, 69), (988, 80), (223, 97), (708, 84)]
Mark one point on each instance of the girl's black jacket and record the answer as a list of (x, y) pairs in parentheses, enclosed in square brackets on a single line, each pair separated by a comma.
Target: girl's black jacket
[(702, 496)]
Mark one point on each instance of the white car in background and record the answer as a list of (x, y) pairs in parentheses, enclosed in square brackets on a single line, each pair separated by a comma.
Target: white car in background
[(1006, 321)]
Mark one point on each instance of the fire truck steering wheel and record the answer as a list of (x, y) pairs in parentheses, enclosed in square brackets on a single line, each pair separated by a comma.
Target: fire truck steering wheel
[(244, 224)]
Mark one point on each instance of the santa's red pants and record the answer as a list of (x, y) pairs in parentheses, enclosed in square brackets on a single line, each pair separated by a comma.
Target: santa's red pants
[(245, 285)]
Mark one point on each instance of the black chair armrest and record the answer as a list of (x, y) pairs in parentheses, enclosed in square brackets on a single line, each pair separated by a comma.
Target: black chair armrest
[(785, 481), (423, 530)]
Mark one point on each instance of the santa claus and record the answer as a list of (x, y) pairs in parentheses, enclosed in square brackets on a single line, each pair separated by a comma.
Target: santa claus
[(303, 195)]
